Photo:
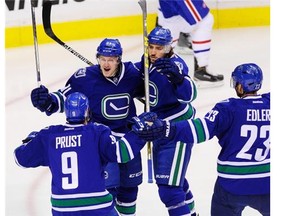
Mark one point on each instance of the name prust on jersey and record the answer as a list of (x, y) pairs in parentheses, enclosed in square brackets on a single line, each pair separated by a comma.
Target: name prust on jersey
[(68, 141), (258, 114)]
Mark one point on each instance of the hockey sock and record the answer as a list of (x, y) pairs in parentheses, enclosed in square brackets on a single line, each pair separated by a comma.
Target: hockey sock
[(189, 199), (179, 209), (126, 200), (113, 191), (174, 199), (126, 208)]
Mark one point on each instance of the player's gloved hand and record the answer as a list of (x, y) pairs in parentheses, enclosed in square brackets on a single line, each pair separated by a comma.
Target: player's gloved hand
[(30, 137), (153, 128), (168, 67), (41, 99), (140, 121)]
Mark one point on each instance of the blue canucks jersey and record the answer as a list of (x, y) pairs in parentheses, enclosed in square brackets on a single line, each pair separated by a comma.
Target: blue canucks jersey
[(242, 127), (76, 156), (193, 11), (168, 100), (110, 101)]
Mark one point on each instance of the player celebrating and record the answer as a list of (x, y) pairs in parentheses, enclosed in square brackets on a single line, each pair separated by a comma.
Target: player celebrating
[(77, 153), (242, 127), (110, 87), (171, 93)]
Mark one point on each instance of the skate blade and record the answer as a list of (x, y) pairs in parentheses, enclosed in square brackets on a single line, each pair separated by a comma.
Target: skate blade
[(207, 84)]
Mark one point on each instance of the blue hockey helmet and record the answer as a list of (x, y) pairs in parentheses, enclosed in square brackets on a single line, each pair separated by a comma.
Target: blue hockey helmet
[(109, 47), (76, 107), (249, 75), (160, 36)]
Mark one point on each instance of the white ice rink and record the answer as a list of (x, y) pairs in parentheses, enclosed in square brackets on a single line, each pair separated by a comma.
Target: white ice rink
[(28, 190)]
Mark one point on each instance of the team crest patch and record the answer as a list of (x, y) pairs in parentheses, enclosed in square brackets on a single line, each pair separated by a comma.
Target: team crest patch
[(80, 73)]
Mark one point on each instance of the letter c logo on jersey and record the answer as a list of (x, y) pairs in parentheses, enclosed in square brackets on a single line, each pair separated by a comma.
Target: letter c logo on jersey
[(115, 106), (153, 92)]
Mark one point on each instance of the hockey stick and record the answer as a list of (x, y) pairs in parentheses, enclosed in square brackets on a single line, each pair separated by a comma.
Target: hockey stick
[(36, 52), (143, 6), (46, 17)]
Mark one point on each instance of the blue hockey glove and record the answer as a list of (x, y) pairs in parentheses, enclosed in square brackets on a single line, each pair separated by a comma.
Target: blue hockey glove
[(30, 137), (41, 99), (140, 121), (168, 67), (148, 116), (153, 128)]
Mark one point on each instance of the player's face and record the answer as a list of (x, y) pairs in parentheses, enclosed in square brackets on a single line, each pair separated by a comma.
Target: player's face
[(155, 51), (108, 65)]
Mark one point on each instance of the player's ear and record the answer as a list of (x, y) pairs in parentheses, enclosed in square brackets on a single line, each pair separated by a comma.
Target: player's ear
[(239, 89)]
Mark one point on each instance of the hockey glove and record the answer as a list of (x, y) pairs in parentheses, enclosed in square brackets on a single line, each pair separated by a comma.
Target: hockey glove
[(139, 121), (168, 67), (153, 128), (30, 137), (41, 99), (148, 116)]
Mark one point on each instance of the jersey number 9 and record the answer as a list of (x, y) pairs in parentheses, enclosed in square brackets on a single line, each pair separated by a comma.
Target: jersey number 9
[(69, 167)]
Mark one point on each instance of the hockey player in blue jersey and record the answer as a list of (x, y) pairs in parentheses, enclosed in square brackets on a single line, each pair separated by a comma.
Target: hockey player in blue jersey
[(193, 19), (110, 87), (76, 154), (242, 126), (171, 93)]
